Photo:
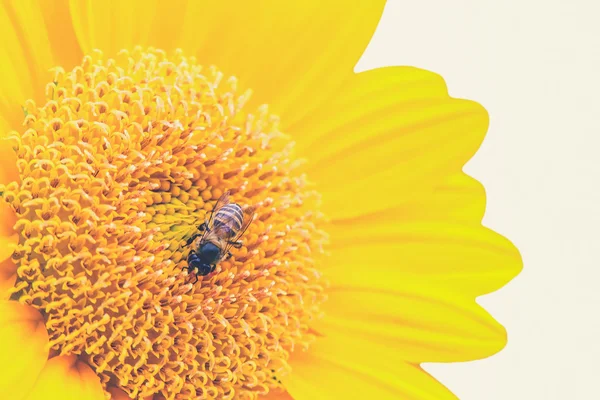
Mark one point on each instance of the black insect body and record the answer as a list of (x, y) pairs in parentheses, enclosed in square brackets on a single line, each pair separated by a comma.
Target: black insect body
[(215, 237)]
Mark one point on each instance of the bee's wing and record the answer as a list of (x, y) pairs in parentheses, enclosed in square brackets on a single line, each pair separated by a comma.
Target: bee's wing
[(249, 216), (223, 200)]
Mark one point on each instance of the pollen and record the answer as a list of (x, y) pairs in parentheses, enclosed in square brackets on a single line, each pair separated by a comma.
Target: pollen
[(117, 169)]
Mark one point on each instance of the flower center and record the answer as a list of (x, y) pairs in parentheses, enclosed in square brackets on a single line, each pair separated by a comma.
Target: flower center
[(117, 169)]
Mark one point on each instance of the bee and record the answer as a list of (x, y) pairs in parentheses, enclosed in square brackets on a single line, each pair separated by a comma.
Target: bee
[(215, 236)]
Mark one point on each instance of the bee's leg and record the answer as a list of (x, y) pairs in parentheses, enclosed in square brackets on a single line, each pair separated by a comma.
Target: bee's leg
[(191, 239), (228, 256), (212, 268), (201, 228), (237, 244)]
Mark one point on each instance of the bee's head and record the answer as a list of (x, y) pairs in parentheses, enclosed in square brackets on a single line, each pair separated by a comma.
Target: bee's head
[(200, 267), (209, 253), (197, 264), (203, 260)]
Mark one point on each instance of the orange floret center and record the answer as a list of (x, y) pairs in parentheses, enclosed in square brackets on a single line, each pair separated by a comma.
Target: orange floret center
[(117, 169)]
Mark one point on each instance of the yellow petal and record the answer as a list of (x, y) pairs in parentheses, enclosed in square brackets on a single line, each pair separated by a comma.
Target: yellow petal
[(342, 369), (23, 353), (25, 57), (66, 378), (8, 173), (61, 33), (118, 394), (417, 325), (8, 277), (426, 255), (8, 217), (8, 269), (459, 198), (291, 54), (113, 25), (389, 136), (276, 395)]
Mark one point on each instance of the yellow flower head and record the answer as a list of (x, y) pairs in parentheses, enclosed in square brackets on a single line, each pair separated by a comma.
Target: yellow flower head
[(117, 169), (365, 250)]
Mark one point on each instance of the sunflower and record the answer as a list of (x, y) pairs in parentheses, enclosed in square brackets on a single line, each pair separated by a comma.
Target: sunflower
[(122, 125)]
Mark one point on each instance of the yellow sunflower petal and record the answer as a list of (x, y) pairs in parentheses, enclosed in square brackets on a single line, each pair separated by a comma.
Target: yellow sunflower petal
[(8, 277), (113, 25), (343, 369), (25, 57), (459, 198), (391, 135), (8, 173), (291, 54), (7, 216), (418, 324), (118, 394), (66, 378), (23, 353), (61, 33), (389, 255), (8, 269), (275, 394)]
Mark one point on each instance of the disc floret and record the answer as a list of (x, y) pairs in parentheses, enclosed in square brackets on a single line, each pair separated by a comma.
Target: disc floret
[(117, 168)]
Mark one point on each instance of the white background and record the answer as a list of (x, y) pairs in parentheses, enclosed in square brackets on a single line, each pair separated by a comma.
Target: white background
[(535, 66)]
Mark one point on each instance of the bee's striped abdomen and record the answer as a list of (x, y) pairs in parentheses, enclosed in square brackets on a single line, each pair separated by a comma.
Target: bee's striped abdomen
[(230, 218)]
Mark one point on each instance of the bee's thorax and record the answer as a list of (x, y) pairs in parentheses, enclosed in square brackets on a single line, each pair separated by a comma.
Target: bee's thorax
[(209, 252)]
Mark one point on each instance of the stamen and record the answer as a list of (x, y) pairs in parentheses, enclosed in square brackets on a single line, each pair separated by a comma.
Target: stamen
[(117, 169)]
